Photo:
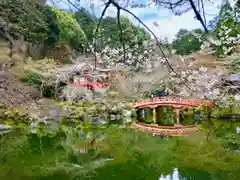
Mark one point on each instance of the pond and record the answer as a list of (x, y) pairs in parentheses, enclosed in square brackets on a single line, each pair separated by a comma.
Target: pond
[(108, 152)]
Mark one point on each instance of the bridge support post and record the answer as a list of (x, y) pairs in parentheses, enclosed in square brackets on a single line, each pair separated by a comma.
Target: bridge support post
[(154, 115), (178, 116), (138, 114), (158, 114)]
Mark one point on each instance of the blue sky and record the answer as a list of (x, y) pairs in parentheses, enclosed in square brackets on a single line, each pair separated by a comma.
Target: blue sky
[(169, 24)]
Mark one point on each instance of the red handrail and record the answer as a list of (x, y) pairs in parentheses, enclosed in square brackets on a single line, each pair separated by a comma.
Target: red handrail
[(88, 83)]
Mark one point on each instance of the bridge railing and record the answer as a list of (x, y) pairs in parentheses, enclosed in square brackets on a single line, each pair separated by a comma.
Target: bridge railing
[(171, 100)]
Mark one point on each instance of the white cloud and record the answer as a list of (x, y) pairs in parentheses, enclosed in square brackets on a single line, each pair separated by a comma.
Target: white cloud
[(170, 26)]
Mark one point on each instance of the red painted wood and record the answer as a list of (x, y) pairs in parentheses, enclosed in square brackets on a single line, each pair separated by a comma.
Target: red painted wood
[(166, 127), (184, 131), (87, 83), (174, 101)]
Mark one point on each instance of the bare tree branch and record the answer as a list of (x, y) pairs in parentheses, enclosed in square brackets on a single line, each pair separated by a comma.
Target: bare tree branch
[(121, 33), (204, 15), (199, 17), (96, 31)]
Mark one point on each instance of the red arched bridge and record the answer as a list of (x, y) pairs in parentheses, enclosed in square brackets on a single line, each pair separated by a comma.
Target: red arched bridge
[(174, 101), (157, 103)]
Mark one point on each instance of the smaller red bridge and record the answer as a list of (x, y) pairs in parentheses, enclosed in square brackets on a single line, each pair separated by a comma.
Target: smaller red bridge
[(179, 103), (88, 84)]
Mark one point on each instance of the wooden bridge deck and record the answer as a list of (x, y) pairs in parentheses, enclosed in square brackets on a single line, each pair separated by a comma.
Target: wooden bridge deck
[(174, 101)]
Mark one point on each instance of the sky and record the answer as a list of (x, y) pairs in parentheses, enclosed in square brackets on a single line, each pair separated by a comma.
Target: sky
[(168, 24)]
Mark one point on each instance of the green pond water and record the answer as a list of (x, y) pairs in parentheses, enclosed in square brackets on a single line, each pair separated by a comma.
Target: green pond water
[(109, 152)]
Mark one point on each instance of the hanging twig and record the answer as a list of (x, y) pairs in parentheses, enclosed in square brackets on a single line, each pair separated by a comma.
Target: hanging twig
[(121, 34), (204, 15), (199, 17), (96, 31)]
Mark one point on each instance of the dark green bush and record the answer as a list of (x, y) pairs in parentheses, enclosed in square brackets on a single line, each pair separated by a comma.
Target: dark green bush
[(32, 78)]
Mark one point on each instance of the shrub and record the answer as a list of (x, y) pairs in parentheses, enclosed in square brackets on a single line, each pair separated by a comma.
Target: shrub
[(32, 78)]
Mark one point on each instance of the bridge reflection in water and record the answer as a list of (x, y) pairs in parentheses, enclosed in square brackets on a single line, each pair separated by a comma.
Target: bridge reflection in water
[(175, 105)]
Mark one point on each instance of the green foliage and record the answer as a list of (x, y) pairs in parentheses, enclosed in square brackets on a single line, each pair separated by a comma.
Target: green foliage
[(42, 24), (49, 26), (87, 23), (148, 119), (70, 31), (188, 116), (228, 29), (218, 112), (110, 33), (114, 94), (186, 41), (26, 18), (167, 116), (53, 27), (15, 118), (89, 111), (32, 78), (235, 66), (206, 111)]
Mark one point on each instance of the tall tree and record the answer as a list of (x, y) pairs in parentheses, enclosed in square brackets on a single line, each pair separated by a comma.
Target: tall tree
[(87, 21), (186, 41)]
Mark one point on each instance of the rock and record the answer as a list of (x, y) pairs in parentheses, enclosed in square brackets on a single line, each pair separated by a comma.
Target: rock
[(118, 117), (234, 77), (46, 108), (112, 117), (54, 126), (98, 121), (121, 106), (127, 113), (238, 130), (42, 121), (237, 97), (4, 128), (114, 109), (89, 96), (127, 120)]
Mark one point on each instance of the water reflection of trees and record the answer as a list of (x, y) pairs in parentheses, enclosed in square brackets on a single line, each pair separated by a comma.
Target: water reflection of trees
[(136, 155)]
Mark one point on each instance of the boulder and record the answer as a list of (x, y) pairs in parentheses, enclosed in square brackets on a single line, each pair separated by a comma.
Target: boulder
[(4, 128)]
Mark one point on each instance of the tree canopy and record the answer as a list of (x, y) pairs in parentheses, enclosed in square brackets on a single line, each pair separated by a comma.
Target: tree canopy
[(87, 22), (70, 30), (187, 42), (228, 28), (27, 18), (109, 32)]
